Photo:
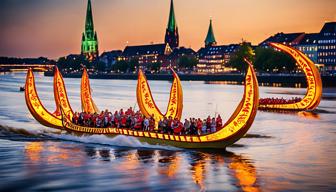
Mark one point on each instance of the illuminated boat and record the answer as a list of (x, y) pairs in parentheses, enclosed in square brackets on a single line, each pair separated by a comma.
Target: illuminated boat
[(314, 90), (147, 104), (88, 104), (54, 120), (234, 129), (34, 104)]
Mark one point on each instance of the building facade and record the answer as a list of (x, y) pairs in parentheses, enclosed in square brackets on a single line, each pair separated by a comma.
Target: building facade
[(309, 46), (172, 34), (214, 59), (89, 38), (178, 53), (291, 39), (319, 47), (327, 46), (111, 57), (148, 54)]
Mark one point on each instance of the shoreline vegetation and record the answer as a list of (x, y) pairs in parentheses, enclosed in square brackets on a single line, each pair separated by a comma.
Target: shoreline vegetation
[(273, 80)]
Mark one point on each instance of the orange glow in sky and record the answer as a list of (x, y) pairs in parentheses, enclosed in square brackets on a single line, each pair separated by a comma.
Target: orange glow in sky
[(53, 28)]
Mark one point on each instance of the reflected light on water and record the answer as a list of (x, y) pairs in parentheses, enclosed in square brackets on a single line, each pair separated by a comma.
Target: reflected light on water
[(171, 167), (309, 115), (39, 152), (199, 171), (245, 173), (33, 151), (130, 161)]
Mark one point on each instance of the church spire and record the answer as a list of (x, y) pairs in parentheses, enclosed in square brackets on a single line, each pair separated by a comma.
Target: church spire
[(89, 37), (210, 38), (89, 18), (171, 22), (172, 36)]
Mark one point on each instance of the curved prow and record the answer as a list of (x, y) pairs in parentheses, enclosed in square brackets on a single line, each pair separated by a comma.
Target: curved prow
[(243, 117), (61, 94), (88, 104), (35, 106), (314, 90), (147, 104)]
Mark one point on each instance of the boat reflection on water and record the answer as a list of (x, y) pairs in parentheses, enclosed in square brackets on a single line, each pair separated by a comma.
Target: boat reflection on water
[(169, 163), (245, 173), (308, 115), (44, 153), (199, 170), (302, 114), (198, 167)]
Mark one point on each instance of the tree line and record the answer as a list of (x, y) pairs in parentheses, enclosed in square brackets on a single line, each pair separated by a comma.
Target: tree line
[(266, 60)]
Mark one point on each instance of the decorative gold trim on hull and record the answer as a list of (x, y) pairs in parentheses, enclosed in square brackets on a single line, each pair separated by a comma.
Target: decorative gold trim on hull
[(34, 104), (236, 127), (88, 104), (42, 115), (147, 104), (314, 90), (61, 95)]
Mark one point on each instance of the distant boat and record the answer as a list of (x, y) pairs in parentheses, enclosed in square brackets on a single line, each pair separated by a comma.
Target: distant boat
[(22, 89)]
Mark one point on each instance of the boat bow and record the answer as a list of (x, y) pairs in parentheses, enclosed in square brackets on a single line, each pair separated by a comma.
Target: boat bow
[(35, 106), (314, 90)]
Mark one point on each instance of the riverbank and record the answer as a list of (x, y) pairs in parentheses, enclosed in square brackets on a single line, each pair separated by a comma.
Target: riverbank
[(264, 80)]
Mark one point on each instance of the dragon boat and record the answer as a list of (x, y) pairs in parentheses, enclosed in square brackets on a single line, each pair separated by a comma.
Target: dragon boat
[(46, 118), (234, 129), (313, 94), (54, 120)]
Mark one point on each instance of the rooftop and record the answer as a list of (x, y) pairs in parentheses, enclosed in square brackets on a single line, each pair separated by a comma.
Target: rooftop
[(145, 49)]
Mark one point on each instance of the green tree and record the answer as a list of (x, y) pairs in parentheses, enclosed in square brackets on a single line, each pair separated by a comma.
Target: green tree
[(270, 60), (237, 59), (133, 64), (101, 66), (120, 66), (156, 67), (72, 62), (187, 62)]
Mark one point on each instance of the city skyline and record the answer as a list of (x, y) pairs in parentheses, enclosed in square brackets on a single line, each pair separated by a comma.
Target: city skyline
[(53, 29)]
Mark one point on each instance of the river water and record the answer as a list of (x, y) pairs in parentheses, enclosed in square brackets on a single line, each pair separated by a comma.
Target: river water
[(282, 151)]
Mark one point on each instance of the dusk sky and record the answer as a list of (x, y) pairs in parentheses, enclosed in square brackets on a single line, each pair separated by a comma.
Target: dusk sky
[(53, 28)]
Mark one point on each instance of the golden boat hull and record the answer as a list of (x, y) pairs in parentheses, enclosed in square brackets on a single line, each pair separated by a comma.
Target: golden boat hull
[(314, 90), (41, 114), (234, 129), (36, 108)]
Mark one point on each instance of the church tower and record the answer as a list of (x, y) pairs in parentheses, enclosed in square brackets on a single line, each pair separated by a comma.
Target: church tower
[(89, 38), (172, 35), (210, 38)]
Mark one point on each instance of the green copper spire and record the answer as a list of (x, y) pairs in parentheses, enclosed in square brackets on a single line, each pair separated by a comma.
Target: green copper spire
[(89, 38), (172, 21), (210, 38), (89, 19), (172, 35)]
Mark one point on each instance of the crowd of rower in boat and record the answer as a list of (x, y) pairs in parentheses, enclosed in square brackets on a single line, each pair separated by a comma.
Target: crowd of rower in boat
[(135, 120), (279, 100)]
